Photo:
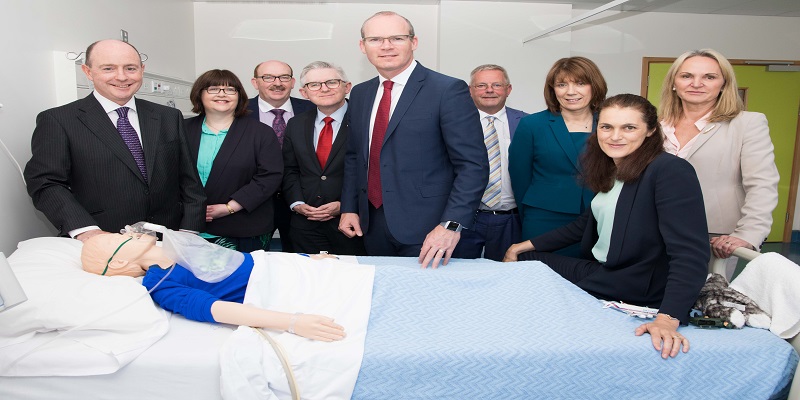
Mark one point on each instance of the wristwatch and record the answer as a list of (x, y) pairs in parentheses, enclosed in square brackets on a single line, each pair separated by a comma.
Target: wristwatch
[(452, 226)]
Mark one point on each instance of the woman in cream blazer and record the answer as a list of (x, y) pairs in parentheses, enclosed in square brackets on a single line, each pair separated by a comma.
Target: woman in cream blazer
[(731, 150)]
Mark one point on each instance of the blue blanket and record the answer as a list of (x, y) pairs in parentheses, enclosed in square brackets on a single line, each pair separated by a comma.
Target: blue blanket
[(477, 329)]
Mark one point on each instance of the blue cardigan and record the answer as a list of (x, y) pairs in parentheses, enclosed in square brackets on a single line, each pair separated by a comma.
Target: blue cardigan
[(184, 294)]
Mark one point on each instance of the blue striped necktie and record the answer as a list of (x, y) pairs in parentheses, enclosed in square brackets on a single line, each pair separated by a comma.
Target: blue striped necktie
[(131, 139), (491, 197)]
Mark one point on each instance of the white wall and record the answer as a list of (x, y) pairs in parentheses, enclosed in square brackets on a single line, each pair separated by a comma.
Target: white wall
[(298, 34), (31, 31)]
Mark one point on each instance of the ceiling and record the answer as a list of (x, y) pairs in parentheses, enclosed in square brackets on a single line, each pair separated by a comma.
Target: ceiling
[(781, 8)]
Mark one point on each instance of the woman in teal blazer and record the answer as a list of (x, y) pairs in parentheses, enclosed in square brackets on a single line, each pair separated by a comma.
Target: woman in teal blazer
[(543, 158)]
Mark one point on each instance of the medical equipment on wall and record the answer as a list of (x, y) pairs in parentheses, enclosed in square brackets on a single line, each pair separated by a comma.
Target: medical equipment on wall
[(208, 262), (11, 292)]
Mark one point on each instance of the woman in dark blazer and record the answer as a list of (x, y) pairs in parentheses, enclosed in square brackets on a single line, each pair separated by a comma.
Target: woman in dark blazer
[(643, 240), (239, 162), (543, 158)]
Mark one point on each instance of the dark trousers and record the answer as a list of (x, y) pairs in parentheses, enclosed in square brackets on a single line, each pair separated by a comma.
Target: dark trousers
[(571, 268), (491, 235), (313, 237), (378, 241), (283, 216)]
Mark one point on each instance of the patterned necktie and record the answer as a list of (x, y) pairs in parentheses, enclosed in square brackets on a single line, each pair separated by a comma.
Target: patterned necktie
[(278, 124), (131, 139), (325, 142), (374, 189), (491, 197)]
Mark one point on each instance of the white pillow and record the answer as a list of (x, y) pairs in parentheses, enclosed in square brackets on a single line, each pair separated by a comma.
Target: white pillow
[(62, 296)]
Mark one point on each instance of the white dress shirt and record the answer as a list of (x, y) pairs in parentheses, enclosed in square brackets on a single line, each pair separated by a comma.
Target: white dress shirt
[(400, 82), (504, 136)]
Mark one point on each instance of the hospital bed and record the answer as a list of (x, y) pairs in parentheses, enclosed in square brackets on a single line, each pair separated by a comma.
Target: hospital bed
[(473, 329)]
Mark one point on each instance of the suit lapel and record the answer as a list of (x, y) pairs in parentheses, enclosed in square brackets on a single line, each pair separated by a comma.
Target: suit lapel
[(562, 135), (366, 113), (94, 117), (308, 138), (710, 130), (622, 215), (150, 126), (341, 138), (226, 151), (414, 84)]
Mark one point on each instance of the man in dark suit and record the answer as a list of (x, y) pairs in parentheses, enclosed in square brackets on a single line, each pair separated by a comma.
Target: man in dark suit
[(274, 106), (416, 166), (313, 158), (109, 159), (497, 224)]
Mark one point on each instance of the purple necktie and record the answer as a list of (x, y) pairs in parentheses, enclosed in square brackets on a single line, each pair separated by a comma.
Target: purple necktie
[(131, 139), (279, 124)]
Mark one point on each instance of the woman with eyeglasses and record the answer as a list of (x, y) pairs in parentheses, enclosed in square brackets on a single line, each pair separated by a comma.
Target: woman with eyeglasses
[(239, 162), (543, 158)]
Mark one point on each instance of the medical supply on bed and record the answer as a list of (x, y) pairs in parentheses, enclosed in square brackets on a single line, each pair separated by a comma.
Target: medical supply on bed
[(11, 292), (630, 309), (710, 323)]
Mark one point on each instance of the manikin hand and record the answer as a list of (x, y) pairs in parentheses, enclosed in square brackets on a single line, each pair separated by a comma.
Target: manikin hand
[(318, 327)]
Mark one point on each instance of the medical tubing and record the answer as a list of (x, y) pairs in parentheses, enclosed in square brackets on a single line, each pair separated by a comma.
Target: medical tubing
[(29, 352), (287, 367)]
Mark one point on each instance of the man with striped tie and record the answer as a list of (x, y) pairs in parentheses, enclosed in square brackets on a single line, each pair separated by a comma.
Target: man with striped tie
[(497, 225)]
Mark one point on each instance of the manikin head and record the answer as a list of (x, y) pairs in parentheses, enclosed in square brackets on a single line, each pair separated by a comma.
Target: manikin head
[(117, 254)]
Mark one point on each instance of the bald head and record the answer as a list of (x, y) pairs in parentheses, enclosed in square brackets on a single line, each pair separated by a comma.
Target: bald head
[(274, 81), (105, 43)]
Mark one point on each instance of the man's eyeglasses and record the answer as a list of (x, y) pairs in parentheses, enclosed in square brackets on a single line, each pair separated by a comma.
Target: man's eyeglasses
[(330, 83), (495, 86), (396, 40), (271, 78), (216, 90)]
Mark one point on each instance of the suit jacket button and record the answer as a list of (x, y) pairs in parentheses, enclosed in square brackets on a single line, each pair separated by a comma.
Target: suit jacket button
[(323, 177), (147, 191)]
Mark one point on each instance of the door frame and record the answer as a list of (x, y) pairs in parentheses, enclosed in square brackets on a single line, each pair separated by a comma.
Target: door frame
[(791, 203)]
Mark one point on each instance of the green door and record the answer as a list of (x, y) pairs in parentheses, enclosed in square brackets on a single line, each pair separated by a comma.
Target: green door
[(777, 95)]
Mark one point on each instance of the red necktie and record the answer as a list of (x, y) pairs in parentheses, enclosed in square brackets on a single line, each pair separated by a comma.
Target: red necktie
[(374, 190), (325, 142)]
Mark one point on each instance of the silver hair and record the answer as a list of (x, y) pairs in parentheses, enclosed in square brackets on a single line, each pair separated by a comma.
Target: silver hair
[(489, 67), (322, 65)]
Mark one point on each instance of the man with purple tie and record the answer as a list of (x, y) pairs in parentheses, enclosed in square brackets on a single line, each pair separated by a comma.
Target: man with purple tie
[(110, 159), (274, 106)]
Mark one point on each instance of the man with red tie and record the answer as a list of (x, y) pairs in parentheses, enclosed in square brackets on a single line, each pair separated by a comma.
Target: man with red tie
[(416, 165), (313, 156)]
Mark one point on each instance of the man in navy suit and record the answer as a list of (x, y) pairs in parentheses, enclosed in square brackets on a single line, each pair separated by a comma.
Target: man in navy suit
[(111, 159), (497, 224), (416, 166), (313, 159), (273, 106)]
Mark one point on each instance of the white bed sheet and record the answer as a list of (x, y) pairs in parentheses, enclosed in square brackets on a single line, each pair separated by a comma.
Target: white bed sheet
[(184, 364)]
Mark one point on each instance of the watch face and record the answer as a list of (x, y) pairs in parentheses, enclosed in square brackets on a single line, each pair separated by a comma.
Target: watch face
[(452, 225)]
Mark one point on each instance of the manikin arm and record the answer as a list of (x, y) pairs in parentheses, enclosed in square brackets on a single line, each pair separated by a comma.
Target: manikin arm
[(310, 326)]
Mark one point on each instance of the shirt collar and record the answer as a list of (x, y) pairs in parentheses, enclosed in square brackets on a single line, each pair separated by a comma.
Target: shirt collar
[(263, 106), (109, 106), (401, 78), (500, 115), (337, 115), (702, 122)]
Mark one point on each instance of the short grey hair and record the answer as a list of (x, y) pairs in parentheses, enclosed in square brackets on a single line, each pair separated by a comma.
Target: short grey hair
[(489, 67), (385, 14), (322, 65)]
